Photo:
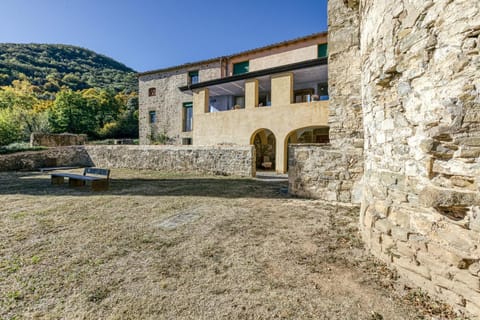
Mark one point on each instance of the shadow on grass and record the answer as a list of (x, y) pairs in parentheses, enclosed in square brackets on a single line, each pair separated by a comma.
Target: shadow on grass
[(226, 187)]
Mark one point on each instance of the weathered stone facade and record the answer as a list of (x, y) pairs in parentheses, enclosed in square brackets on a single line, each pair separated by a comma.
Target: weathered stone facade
[(57, 140), (168, 102), (221, 160), (421, 112)]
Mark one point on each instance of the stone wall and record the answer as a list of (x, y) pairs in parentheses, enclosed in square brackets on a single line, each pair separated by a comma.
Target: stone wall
[(57, 140), (345, 111), (231, 160), (421, 112), (322, 172), (32, 160), (168, 102)]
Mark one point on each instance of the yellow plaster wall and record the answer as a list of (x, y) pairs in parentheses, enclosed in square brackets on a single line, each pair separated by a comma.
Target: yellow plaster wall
[(238, 126), (283, 58), (282, 89), (251, 93)]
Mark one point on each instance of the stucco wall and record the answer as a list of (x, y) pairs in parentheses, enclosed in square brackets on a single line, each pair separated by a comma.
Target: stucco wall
[(168, 102), (421, 104), (238, 126)]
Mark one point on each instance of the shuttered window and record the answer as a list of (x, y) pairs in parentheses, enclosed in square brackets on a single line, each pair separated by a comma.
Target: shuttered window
[(241, 67)]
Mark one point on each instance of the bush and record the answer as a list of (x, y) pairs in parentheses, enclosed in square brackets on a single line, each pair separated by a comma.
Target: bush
[(19, 147)]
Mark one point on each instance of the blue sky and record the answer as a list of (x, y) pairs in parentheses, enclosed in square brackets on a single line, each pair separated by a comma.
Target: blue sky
[(149, 34)]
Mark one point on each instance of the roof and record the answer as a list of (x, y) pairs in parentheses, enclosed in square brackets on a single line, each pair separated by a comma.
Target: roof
[(218, 59), (259, 73)]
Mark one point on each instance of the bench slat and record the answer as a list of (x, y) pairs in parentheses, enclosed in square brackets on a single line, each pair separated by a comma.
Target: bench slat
[(77, 176)]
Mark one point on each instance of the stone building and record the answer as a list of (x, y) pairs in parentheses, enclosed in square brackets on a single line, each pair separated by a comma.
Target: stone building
[(267, 97), (402, 122), (405, 138)]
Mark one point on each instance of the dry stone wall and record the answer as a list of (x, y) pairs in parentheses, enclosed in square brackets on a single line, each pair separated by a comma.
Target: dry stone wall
[(232, 160), (57, 140), (421, 113), (323, 172), (53, 157)]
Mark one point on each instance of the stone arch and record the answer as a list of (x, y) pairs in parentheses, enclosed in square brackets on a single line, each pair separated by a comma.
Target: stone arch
[(264, 141)]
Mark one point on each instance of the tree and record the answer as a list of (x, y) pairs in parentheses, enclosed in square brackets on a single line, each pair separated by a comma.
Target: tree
[(10, 130), (25, 109), (71, 113)]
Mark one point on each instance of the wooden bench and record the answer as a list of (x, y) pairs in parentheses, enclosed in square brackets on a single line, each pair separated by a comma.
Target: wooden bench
[(99, 178)]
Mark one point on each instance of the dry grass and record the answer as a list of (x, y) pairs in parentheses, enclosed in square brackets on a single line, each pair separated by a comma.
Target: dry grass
[(241, 249)]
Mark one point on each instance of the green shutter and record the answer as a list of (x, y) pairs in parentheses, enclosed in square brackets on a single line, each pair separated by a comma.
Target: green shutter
[(241, 67), (322, 50)]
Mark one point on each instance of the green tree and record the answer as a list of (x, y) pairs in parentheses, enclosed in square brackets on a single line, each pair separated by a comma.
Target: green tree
[(10, 130), (72, 113), (25, 109)]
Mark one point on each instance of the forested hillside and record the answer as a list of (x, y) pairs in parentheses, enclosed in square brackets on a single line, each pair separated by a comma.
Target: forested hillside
[(60, 88), (50, 67)]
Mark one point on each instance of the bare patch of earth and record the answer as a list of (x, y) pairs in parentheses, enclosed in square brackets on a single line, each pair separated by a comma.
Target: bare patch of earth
[(170, 246)]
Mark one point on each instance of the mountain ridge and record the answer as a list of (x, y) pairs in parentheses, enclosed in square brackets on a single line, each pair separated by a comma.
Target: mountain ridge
[(51, 66)]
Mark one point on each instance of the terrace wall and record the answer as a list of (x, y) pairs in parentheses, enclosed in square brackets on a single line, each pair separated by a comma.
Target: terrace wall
[(231, 160)]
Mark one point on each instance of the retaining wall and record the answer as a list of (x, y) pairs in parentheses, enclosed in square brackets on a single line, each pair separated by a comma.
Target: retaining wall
[(231, 160)]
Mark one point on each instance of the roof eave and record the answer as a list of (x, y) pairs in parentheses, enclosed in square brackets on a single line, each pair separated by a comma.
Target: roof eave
[(256, 74)]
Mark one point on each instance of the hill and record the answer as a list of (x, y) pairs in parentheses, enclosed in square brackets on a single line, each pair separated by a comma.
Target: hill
[(50, 67)]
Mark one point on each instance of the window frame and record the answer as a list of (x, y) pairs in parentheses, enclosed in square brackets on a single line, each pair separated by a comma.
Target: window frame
[(322, 50), (192, 74), (185, 106), (152, 92), (236, 68), (152, 120)]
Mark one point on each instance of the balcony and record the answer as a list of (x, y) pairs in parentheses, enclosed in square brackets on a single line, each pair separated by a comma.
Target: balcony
[(262, 109)]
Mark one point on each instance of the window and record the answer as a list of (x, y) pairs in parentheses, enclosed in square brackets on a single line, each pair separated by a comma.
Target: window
[(152, 116), (241, 67), (187, 141), (193, 77), (322, 50), (187, 116), (304, 95), (152, 92)]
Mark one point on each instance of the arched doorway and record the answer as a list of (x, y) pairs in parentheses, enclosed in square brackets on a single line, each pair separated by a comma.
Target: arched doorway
[(307, 135), (265, 149)]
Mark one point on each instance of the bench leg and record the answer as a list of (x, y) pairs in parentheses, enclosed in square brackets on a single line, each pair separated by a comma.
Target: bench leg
[(72, 182), (57, 180), (100, 185)]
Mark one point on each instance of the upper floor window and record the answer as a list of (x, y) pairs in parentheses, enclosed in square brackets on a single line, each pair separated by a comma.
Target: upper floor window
[(193, 77), (241, 67), (152, 116), (152, 92), (323, 50)]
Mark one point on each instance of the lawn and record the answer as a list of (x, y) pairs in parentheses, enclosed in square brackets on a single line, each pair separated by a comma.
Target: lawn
[(170, 246)]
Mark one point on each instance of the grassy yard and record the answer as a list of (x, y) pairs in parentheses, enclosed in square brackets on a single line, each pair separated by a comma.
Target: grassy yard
[(167, 246)]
